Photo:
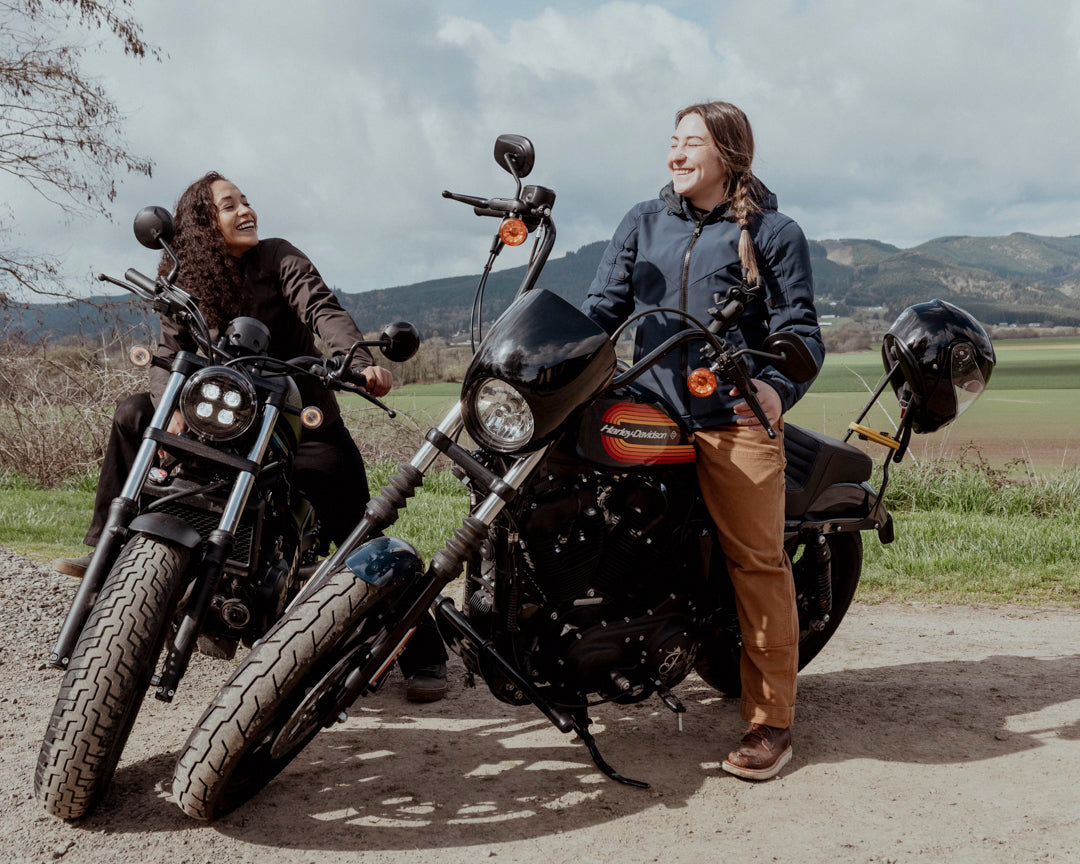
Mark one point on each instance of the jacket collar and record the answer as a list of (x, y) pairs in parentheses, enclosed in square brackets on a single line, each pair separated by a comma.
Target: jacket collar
[(679, 206)]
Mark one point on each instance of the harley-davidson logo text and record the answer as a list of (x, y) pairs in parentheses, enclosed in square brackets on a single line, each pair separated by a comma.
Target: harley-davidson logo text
[(628, 433)]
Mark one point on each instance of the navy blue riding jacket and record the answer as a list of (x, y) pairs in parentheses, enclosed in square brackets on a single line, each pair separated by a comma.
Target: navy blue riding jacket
[(666, 254)]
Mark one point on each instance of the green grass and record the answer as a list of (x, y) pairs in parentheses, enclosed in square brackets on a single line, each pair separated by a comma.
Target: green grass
[(986, 510), (976, 534), (964, 536), (945, 557)]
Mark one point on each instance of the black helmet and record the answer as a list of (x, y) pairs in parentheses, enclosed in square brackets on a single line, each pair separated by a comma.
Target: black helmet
[(941, 358)]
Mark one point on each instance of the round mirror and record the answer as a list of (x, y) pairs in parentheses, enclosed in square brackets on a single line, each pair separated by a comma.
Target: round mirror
[(400, 341), (795, 361), (152, 225), (515, 154)]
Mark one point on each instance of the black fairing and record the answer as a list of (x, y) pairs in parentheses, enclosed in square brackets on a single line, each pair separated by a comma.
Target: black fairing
[(548, 350)]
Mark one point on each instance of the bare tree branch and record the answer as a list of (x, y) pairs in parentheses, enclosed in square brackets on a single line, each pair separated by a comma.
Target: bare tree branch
[(60, 132)]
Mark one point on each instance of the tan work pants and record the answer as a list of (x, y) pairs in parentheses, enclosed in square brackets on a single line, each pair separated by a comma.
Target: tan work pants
[(741, 472)]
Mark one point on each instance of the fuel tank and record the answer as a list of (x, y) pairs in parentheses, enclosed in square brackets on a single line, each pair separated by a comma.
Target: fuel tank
[(632, 429)]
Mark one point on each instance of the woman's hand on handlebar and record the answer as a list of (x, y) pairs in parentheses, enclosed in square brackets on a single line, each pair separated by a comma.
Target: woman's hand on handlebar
[(767, 397), (377, 381)]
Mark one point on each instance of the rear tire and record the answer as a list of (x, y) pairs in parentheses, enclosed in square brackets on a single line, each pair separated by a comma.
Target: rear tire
[(846, 550), (718, 661), (105, 682), (278, 699)]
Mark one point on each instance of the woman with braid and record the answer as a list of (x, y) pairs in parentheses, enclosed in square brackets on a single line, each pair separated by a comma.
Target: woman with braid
[(715, 226)]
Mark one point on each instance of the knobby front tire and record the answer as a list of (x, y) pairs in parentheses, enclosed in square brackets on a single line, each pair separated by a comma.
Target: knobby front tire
[(276, 701), (108, 676)]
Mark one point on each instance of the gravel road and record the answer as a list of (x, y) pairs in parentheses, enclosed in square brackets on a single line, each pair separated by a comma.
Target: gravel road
[(924, 734)]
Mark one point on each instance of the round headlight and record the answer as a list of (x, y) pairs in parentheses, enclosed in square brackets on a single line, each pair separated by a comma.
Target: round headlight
[(218, 403), (502, 417)]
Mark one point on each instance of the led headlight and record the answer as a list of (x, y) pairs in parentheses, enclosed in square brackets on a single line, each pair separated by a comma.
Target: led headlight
[(218, 403), (501, 416)]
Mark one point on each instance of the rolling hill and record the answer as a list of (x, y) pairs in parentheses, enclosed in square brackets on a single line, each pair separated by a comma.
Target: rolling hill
[(1015, 279)]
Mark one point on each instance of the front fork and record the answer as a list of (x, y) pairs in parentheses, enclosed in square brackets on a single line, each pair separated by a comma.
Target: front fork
[(446, 564), (121, 511), (219, 546)]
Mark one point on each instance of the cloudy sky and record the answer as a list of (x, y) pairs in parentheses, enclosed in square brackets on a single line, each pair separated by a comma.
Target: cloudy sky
[(343, 120)]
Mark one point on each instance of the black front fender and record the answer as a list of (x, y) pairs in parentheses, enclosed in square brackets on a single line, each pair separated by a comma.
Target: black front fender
[(166, 527), (385, 562)]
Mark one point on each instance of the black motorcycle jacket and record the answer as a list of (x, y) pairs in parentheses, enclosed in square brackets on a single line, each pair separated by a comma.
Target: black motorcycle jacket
[(666, 254), (288, 295)]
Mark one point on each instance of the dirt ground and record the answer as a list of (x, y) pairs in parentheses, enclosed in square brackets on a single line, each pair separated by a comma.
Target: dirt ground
[(924, 734)]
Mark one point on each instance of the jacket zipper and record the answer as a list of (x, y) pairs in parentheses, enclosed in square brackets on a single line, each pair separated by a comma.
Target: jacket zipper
[(684, 293)]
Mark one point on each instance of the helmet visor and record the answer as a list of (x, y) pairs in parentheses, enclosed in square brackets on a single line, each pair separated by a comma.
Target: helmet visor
[(967, 379)]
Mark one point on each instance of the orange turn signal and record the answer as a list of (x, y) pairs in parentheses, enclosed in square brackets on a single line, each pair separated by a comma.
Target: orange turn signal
[(701, 382), (311, 417), (140, 355), (513, 232)]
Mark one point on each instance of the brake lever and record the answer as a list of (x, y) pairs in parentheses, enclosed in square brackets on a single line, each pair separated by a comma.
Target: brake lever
[(732, 367), (359, 390)]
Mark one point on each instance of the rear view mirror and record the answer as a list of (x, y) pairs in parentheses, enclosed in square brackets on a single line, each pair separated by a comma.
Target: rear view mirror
[(400, 341), (153, 225), (796, 361), (515, 154)]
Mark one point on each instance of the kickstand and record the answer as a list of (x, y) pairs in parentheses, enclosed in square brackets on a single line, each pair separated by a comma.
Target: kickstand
[(581, 726)]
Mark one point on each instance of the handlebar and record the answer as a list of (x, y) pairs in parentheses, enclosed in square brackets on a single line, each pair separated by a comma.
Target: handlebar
[(139, 280), (491, 206), (335, 372)]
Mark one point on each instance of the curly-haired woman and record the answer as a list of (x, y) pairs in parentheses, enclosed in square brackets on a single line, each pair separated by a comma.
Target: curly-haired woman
[(715, 226), (232, 272)]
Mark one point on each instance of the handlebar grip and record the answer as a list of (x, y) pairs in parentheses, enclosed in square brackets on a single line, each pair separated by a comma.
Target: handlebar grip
[(144, 282)]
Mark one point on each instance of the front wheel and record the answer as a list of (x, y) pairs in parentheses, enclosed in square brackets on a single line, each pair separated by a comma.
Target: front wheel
[(280, 696), (718, 659), (107, 678)]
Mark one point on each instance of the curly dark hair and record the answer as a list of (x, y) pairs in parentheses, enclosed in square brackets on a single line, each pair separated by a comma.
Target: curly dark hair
[(207, 270)]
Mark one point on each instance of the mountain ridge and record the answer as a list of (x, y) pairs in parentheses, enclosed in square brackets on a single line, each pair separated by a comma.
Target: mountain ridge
[(1019, 278)]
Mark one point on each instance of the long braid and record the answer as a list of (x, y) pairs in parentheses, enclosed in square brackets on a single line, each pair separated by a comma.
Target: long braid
[(734, 140)]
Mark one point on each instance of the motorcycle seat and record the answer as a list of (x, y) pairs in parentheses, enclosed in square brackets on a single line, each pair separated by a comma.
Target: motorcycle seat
[(815, 462)]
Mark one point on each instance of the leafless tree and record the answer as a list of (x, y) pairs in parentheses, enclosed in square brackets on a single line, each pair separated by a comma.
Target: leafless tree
[(60, 133)]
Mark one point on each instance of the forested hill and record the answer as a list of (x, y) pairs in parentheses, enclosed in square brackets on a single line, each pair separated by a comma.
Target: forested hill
[(1014, 279)]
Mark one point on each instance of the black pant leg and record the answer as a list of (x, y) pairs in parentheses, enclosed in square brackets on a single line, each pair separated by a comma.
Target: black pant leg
[(130, 419)]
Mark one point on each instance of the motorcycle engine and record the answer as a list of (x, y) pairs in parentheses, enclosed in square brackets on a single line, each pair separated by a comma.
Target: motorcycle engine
[(603, 605)]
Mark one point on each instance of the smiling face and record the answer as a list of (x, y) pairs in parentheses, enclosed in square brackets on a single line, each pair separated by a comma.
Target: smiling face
[(697, 171), (236, 220)]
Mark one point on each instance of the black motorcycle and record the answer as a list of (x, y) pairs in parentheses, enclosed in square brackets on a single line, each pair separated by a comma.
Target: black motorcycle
[(207, 542), (589, 560)]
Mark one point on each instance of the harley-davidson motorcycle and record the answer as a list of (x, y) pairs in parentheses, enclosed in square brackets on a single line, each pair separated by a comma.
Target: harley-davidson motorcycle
[(207, 542), (590, 572)]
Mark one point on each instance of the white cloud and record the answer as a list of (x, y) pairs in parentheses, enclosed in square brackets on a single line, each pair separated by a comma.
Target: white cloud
[(344, 121)]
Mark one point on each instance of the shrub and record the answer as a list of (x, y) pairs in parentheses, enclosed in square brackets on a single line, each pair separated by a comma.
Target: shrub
[(56, 408)]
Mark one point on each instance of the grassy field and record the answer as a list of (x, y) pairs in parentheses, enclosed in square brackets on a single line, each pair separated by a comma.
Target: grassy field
[(1030, 412), (988, 510)]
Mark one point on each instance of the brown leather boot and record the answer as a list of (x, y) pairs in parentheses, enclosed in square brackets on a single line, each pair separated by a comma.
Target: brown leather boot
[(762, 752), (427, 684), (74, 567)]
